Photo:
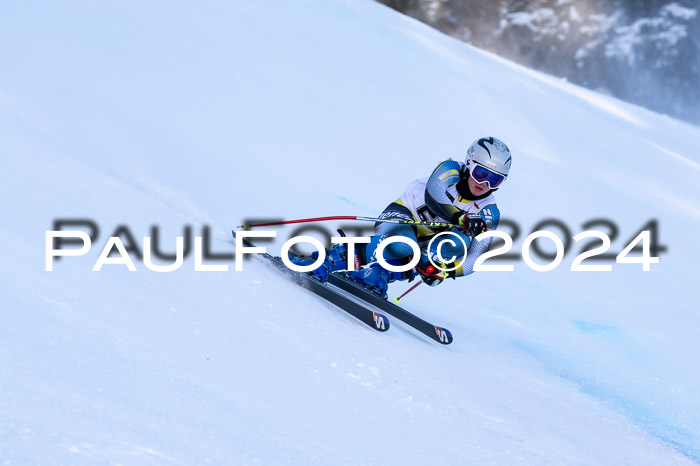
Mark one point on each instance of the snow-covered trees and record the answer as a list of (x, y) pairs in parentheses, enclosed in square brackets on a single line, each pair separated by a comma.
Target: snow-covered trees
[(644, 51)]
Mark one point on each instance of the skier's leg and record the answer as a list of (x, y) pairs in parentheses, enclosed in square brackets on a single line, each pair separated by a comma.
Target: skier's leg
[(395, 253), (398, 253), (450, 247), (382, 230)]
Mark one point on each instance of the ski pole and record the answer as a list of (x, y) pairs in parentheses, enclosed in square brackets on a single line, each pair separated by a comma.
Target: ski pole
[(398, 298), (247, 226)]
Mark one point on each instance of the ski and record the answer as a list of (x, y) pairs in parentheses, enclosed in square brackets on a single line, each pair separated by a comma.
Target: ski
[(329, 292), (344, 282)]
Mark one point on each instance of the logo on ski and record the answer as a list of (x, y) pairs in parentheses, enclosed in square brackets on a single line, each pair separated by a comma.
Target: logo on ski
[(442, 335), (379, 321)]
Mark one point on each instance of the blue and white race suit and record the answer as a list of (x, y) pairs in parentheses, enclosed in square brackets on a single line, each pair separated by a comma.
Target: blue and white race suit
[(437, 199)]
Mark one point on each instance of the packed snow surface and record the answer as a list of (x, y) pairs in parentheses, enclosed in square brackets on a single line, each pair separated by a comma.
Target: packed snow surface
[(180, 113)]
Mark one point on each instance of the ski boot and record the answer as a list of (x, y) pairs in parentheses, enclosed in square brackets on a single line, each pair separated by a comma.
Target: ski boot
[(377, 278), (336, 259)]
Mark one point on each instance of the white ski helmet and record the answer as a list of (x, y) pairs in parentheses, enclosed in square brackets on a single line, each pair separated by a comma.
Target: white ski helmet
[(491, 153)]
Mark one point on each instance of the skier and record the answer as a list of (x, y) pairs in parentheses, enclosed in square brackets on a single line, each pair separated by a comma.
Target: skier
[(458, 193)]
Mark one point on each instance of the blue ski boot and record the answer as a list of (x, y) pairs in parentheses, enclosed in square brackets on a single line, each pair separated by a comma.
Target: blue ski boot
[(336, 259), (377, 278)]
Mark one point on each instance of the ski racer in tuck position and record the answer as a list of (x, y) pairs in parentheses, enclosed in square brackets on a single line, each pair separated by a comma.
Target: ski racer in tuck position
[(457, 193)]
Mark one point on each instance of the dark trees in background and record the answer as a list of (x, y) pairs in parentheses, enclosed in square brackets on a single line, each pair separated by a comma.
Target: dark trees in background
[(643, 51)]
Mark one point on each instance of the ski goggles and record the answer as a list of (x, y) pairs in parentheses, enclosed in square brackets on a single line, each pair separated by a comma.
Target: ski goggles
[(481, 174)]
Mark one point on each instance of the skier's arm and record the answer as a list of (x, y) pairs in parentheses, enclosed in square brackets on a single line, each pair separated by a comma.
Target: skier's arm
[(491, 216), (444, 176)]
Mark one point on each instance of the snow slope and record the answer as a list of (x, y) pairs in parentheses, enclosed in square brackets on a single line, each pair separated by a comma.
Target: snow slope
[(174, 114)]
